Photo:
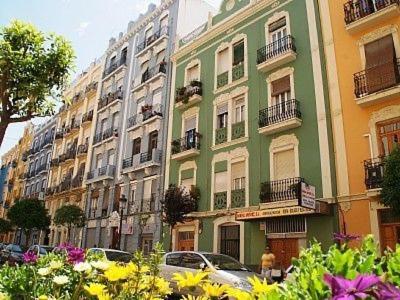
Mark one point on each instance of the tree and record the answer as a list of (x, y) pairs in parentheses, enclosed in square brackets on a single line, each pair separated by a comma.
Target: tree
[(5, 226), (29, 214), (391, 181), (177, 204), (69, 216), (34, 69)]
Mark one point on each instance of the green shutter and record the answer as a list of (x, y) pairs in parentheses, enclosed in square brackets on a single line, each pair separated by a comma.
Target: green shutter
[(186, 174), (221, 166)]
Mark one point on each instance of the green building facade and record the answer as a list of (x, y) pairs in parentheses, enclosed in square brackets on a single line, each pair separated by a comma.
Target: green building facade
[(249, 127)]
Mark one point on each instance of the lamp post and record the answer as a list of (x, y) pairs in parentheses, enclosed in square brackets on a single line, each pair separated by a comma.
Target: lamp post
[(122, 202)]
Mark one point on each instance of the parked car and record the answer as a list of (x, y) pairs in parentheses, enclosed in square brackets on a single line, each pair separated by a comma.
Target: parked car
[(224, 269), (111, 254), (12, 254), (41, 250)]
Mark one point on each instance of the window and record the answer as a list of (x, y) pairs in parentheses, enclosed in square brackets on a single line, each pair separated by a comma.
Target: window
[(160, 57), (284, 164), (239, 110), (277, 32), (173, 259), (223, 61), (389, 136), (280, 93), (136, 146), (103, 125), (380, 64), (157, 96), (238, 53), (220, 182), (124, 54), (186, 184), (191, 261), (238, 171), (99, 160), (115, 120), (222, 116), (112, 60), (192, 74), (93, 207), (43, 184), (148, 34), (164, 22), (147, 245), (153, 136), (230, 241), (111, 157), (190, 132)]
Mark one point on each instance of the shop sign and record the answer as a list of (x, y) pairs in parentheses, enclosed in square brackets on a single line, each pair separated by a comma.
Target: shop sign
[(307, 196), (113, 220), (274, 212)]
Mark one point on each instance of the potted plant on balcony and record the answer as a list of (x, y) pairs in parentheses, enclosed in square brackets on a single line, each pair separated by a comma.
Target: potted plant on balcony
[(176, 146), (181, 95), (147, 107)]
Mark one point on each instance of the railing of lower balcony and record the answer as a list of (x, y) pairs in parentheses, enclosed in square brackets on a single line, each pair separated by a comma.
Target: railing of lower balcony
[(71, 153), (77, 181), (110, 98), (87, 117), (109, 133), (190, 141), (275, 49), (238, 130), (238, 198), (221, 135), (148, 204), (127, 163), (184, 93), (59, 134), (97, 138), (151, 72), (112, 67), (374, 171), (222, 79), (220, 200), (279, 113), (377, 78), (151, 39), (108, 170), (147, 113), (91, 87), (238, 71), (151, 155), (355, 10), (90, 175), (82, 149), (280, 190)]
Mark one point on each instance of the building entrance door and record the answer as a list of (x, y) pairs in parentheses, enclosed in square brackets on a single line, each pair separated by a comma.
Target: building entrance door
[(389, 229), (185, 241), (284, 250)]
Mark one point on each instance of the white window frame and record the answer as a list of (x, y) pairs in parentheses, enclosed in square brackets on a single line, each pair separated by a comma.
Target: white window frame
[(280, 144), (191, 64), (190, 113), (288, 71), (277, 16)]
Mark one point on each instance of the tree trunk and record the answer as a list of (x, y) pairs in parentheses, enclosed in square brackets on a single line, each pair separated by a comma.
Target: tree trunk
[(3, 128), (68, 234), (171, 228), (27, 237)]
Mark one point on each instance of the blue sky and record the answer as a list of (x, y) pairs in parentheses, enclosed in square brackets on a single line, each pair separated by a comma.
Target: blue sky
[(88, 24)]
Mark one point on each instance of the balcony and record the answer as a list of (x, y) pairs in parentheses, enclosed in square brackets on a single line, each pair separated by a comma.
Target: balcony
[(75, 125), (238, 198), (82, 149), (41, 168), (127, 163), (377, 83), (59, 133), (149, 204), (151, 73), (238, 130), (276, 54), (142, 161), (189, 95), (186, 147), (111, 97), (71, 153), (77, 181), (279, 117), (222, 79), (151, 40), (149, 112), (374, 171), (103, 173), (105, 135), (87, 117), (91, 87), (360, 14), (55, 162), (220, 200), (77, 98), (238, 71), (97, 138), (114, 66), (221, 135), (280, 190)]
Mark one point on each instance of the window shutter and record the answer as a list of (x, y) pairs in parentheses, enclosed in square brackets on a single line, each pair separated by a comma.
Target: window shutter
[(238, 170), (380, 64), (190, 123), (193, 73), (147, 189), (223, 61), (220, 182), (222, 109), (284, 165), (277, 24), (280, 86)]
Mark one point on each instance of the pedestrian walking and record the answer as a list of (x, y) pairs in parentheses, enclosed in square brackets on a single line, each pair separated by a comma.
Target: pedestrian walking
[(267, 263)]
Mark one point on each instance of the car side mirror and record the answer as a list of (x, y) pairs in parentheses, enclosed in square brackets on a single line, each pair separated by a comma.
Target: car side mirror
[(203, 266)]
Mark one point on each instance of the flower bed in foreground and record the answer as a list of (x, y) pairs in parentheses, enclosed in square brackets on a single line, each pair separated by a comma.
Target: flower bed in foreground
[(340, 273)]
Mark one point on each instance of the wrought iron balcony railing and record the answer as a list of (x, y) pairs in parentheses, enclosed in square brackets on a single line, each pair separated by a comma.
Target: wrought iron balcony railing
[(87, 117), (355, 10), (190, 141), (151, 39), (112, 67), (377, 78), (275, 49), (279, 113), (280, 190), (151, 72), (374, 172), (110, 98)]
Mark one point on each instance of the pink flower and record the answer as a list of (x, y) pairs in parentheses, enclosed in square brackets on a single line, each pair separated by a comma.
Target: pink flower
[(341, 237), (359, 288), (388, 291), (75, 255), (29, 257)]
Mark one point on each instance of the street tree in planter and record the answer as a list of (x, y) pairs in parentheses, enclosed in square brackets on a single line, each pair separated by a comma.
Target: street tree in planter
[(29, 214), (69, 216), (5, 226), (34, 69), (391, 181), (177, 204)]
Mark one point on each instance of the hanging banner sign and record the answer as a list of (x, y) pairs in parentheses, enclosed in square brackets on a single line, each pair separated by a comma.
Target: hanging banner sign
[(307, 196)]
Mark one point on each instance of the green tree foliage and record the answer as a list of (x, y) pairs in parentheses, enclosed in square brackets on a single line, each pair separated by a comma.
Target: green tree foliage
[(177, 203), (29, 214), (5, 226), (34, 69), (391, 182), (69, 216)]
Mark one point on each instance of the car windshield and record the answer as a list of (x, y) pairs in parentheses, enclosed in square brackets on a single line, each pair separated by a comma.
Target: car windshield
[(223, 262), (118, 256)]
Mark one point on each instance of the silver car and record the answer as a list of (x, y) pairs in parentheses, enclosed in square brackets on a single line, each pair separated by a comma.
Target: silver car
[(223, 269)]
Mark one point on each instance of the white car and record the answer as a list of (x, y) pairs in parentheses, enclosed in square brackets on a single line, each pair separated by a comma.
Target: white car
[(111, 254), (223, 269)]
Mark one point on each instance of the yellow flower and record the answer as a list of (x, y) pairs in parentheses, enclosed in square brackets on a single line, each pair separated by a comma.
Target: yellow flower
[(191, 297), (144, 269), (4, 296), (163, 286), (189, 280), (55, 265), (116, 273), (238, 294), (43, 297), (95, 289), (262, 287), (214, 290), (104, 296), (131, 268)]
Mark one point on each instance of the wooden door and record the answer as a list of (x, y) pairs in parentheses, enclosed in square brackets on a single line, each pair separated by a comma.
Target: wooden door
[(185, 241), (115, 237), (390, 236), (284, 250)]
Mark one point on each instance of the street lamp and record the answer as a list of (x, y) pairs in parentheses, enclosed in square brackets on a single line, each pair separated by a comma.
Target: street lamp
[(122, 202)]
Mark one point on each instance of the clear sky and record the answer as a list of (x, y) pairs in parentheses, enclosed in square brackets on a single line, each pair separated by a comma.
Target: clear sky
[(88, 24)]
